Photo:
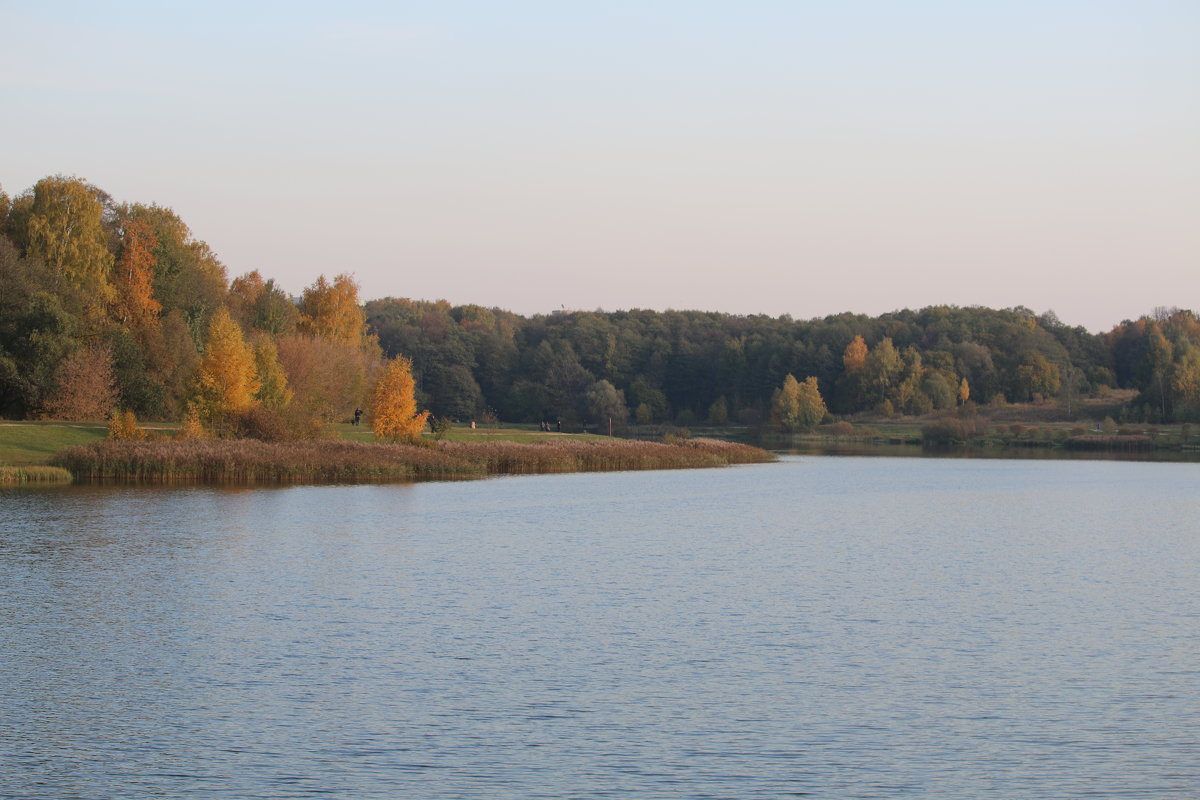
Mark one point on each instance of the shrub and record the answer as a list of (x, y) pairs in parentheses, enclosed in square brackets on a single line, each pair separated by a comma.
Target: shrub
[(952, 430), (261, 423), (841, 428), (440, 427), (191, 429), (123, 425), (85, 386)]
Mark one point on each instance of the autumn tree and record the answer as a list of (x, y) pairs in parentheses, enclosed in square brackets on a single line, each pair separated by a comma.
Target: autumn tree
[(328, 379), (331, 310), (188, 276), (135, 304), (85, 386), (855, 356), (244, 292), (797, 406), (394, 416), (850, 389), (226, 380)]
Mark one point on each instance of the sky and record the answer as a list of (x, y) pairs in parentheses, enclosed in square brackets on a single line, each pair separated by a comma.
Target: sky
[(802, 158)]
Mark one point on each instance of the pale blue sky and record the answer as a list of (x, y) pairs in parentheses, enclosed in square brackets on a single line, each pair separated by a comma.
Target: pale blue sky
[(776, 157)]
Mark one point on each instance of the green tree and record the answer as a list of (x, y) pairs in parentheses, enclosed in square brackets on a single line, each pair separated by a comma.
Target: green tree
[(1037, 376), (882, 369), (606, 404), (273, 390), (65, 230)]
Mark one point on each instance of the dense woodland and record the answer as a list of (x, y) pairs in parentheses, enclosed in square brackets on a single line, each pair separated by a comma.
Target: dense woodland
[(107, 305)]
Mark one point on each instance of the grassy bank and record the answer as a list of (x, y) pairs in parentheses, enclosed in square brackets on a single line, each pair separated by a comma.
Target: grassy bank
[(251, 461), (26, 476)]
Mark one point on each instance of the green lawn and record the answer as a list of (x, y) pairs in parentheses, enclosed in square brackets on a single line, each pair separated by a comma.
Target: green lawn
[(29, 443), (463, 433)]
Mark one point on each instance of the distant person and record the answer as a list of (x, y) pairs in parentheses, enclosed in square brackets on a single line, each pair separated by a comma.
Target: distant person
[(358, 412)]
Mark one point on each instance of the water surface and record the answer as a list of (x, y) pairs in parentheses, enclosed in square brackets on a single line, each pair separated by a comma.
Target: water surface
[(820, 627)]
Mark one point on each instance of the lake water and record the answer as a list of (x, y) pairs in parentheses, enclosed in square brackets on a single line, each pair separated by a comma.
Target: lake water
[(824, 627)]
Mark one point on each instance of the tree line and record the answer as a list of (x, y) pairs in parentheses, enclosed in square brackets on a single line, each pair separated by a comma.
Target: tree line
[(109, 305)]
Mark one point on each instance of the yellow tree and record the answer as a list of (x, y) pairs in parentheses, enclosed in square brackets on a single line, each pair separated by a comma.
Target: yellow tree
[(394, 405), (855, 356), (797, 406), (226, 380), (331, 310)]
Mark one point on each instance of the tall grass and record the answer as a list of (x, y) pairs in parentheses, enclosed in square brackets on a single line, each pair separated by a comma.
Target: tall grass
[(23, 476), (252, 461)]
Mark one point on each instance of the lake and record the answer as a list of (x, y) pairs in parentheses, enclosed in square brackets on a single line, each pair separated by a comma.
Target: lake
[(823, 627)]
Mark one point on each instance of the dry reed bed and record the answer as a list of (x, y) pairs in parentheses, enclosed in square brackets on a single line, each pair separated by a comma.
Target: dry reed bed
[(24, 476), (252, 461)]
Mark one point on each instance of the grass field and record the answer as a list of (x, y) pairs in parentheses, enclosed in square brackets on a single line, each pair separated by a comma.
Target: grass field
[(25, 444)]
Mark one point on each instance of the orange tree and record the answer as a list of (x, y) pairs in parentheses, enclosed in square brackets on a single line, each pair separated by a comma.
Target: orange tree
[(394, 414)]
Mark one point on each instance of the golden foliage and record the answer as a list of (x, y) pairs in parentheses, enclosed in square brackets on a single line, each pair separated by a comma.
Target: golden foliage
[(855, 357), (331, 310), (226, 380), (124, 425), (394, 406), (328, 379), (797, 406), (190, 429)]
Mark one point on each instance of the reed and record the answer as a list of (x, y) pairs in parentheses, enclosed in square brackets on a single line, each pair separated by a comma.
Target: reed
[(250, 461), (23, 476)]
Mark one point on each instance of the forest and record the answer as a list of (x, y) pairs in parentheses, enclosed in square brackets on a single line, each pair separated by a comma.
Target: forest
[(117, 307)]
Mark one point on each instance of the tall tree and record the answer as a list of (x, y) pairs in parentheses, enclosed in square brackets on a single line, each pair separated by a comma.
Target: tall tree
[(226, 380), (797, 406), (65, 230), (394, 416), (331, 310), (136, 305)]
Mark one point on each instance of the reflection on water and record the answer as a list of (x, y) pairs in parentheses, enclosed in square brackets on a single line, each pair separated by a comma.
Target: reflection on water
[(834, 627)]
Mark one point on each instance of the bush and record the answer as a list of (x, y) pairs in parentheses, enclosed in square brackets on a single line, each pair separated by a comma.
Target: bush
[(952, 430), (841, 428), (190, 429), (123, 425), (261, 423), (440, 427)]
